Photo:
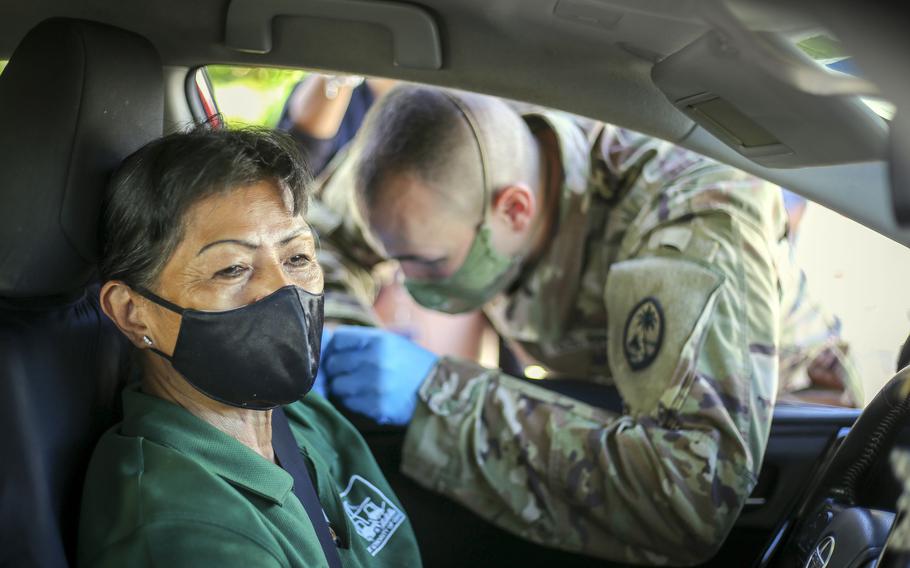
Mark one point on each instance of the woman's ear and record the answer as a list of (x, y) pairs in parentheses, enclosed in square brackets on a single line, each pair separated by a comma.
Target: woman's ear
[(120, 304), (517, 205)]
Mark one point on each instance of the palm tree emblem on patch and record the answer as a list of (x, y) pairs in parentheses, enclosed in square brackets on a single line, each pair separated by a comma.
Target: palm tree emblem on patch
[(644, 333)]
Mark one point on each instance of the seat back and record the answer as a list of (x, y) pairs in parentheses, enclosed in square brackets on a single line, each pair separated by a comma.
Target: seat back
[(75, 99)]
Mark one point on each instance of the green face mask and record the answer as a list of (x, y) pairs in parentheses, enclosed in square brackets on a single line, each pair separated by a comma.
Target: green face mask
[(483, 274)]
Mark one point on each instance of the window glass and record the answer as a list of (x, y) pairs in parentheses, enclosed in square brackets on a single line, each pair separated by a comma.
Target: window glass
[(828, 51), (252, 95), (856, 276), (860, 276)]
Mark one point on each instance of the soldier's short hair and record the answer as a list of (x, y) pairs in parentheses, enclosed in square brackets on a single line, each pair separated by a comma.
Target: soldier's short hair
[(417, 130)]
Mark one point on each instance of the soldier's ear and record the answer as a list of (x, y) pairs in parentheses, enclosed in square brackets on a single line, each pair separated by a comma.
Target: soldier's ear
[(516, 205)]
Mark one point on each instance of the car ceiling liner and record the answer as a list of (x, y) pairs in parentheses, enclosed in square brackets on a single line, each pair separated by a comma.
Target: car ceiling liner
[(415, 36), (743, 80), (766, 99)]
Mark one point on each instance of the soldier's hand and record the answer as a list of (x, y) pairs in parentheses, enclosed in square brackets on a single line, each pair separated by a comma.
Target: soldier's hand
[(826, 370), (829, 379), (376, 372)]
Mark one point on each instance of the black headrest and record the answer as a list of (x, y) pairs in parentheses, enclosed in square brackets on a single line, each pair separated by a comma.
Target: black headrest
[(75, 99)]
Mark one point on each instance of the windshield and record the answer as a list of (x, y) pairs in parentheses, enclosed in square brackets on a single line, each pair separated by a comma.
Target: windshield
[(829, 52)]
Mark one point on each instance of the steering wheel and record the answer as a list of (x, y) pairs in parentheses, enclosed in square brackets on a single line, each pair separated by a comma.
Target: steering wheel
[(833, 527)]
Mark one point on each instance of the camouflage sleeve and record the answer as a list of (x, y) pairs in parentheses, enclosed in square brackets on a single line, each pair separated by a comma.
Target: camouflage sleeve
[(346, 257), (349, 288), (692, 343)]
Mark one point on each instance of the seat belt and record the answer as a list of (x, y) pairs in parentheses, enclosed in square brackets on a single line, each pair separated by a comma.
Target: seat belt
[(291, 461)]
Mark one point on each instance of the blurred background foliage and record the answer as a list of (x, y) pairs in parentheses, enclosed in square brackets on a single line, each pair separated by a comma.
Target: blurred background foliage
[(252, 95)]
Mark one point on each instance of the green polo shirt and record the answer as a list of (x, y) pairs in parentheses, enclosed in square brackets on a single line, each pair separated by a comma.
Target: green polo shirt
[(165, 488)]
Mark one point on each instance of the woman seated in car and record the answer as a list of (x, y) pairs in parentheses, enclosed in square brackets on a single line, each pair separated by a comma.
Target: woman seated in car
[(222, 459)]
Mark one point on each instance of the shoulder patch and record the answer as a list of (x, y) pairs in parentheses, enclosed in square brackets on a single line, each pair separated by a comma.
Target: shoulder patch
[(644, 333)]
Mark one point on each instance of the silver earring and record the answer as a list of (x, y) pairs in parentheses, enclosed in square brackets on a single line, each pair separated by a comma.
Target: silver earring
[(148, 340)]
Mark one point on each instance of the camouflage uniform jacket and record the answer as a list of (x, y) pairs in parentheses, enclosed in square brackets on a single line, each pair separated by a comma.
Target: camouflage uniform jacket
[(639, 219), (346, 258), (660, 279)]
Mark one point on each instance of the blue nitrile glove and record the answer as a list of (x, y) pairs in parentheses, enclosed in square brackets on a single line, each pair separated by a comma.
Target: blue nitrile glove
[(376, 372), (320, 383)]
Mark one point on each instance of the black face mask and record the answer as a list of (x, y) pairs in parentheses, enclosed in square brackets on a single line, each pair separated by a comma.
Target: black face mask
[(259, 356)]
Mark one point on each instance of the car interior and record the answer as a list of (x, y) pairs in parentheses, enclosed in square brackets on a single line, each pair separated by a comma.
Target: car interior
[(88, 83)]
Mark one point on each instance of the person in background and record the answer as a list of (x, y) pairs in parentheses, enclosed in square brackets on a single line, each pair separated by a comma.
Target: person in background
[(324, 112)]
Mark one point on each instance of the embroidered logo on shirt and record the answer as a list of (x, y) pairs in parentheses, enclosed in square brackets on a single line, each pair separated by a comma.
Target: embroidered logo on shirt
[(374, 516), (644, 333)]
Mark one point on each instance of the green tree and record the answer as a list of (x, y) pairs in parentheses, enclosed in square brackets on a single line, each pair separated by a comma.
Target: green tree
[(252, 95)]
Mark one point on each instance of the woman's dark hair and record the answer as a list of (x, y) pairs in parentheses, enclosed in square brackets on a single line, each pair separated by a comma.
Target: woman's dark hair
[(147, 199)]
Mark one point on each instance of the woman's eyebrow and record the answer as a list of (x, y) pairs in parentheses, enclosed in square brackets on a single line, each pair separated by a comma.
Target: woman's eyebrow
[(250, 245), (294, 235), (246, 244)]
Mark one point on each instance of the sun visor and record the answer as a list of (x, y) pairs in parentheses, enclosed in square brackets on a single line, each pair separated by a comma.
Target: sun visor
[(770, 102)]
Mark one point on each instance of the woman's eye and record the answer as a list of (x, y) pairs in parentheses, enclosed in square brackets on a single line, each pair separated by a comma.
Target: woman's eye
[(300, 260), (232, 271)]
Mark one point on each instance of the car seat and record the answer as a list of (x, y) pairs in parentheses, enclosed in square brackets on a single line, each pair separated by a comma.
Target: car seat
[(75, 99)]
